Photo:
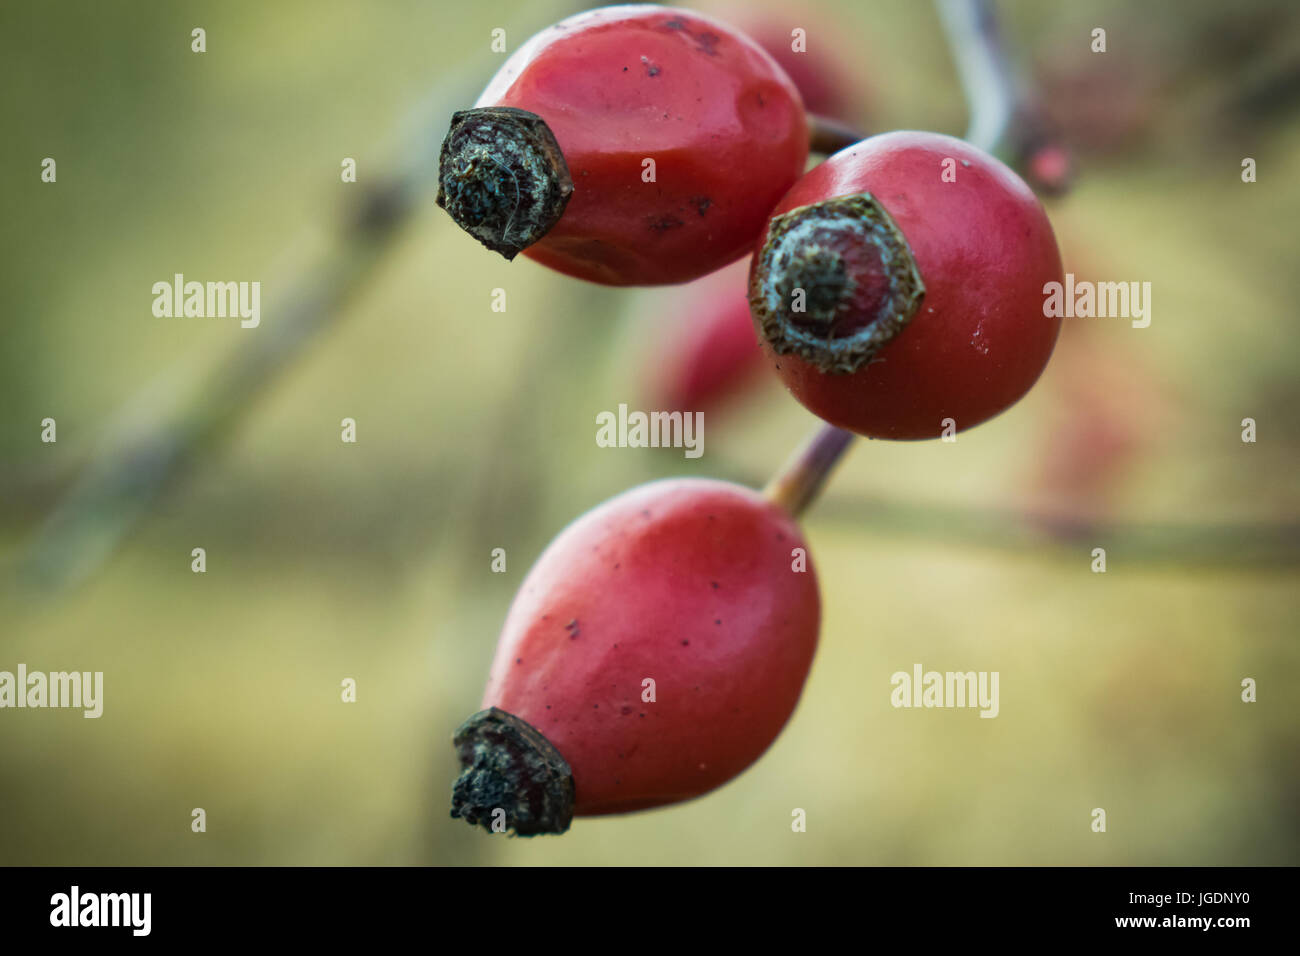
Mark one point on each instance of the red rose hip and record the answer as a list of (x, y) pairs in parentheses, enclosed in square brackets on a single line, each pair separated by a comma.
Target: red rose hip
[(683, 588), (900, 284), (553, 160)]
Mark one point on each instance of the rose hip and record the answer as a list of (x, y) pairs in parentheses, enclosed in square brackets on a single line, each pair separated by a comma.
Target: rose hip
[(900, 284), (555, 159), (654, 651)]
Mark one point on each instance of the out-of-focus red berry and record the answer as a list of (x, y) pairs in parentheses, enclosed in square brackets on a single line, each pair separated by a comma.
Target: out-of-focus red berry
[(709, 352)]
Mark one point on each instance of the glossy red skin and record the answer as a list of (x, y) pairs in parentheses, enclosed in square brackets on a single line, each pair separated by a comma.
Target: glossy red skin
[(722, 121), (635, 588), (984, 248), (715, 354)]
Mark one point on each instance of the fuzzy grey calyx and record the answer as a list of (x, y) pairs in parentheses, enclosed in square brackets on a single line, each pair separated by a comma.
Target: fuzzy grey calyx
[(513, 777), (502, 177), (809, 249)]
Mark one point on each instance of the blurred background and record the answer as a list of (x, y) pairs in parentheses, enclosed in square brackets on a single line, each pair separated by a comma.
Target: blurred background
[(475, 430)]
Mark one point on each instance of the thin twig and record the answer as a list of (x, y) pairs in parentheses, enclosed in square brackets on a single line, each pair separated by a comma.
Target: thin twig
[(1006, 119), (1265, 544), (976, 46), (802, 477)]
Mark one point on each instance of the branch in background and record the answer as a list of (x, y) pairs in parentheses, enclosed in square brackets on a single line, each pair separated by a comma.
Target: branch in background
[(165, 426), (1272, 544), (1267, 543), (1005, 118), (150, 442)]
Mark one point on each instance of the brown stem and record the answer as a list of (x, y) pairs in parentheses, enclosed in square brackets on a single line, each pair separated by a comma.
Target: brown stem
[(801, 478), (827, 136)]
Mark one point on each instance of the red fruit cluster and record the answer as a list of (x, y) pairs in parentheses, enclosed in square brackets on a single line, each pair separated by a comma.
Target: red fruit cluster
[(662, 641)]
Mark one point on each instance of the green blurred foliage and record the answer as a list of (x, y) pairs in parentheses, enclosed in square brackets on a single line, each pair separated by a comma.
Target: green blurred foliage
[(476, 430)]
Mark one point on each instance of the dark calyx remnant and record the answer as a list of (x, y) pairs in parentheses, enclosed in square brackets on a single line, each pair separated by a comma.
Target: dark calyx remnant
[(510, 767), (502, 177), (835, 282)]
